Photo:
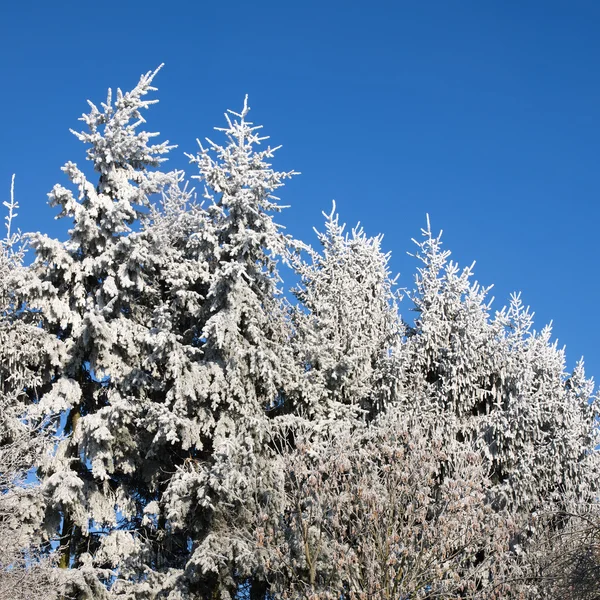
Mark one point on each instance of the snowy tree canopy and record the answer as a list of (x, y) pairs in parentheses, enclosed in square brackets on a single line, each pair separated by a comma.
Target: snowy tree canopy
[(25, 355), (180, 425), (503, 384), (347, 322)]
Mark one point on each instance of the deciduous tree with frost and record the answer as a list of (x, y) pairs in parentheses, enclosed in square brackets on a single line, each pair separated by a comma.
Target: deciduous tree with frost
[(368, 514)]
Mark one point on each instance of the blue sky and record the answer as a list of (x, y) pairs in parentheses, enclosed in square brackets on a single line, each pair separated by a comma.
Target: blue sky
[(486, 115)]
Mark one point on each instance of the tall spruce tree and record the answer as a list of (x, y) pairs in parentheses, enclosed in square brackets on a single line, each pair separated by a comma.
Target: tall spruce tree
[(92, 295), (247, 366), (496, 382), (348, 332)]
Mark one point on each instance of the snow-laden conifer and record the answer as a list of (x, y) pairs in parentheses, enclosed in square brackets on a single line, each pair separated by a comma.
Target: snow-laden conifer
[(92, 294), (243, 324), (220, 357), (25, 366), (347, 325), (452, 349), (495, 382), (545, 435)]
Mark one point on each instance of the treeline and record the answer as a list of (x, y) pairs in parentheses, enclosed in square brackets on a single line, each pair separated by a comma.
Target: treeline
[(173, 427)]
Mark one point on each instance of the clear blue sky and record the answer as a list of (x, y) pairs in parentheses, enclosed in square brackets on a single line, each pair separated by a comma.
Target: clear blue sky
[(486, 115)]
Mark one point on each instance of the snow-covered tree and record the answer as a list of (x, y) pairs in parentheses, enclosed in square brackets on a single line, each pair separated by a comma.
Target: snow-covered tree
[(544, 436), (452, 351), (24, 358), (347, 327), (504, 383), (246, 370), (497, 383), (366, 515), (91, 294)]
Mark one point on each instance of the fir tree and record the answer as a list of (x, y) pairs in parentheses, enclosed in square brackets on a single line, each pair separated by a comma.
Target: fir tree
[(247, 366), (27, 358), (495, 382), (347, 326), (92, 296)]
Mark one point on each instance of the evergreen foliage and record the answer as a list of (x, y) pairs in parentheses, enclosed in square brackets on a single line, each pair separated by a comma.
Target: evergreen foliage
[(26, 353), (196, 434)]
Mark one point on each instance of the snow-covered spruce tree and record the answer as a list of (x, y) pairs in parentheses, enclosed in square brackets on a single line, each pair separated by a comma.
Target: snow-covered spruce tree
[(221, 351), (92, 295), (452, 351), (347, 325), (545, 437), (26, 356), (497, 383)]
